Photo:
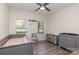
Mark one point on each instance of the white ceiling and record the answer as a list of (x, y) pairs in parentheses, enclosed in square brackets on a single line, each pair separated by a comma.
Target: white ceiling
[(31, 7)]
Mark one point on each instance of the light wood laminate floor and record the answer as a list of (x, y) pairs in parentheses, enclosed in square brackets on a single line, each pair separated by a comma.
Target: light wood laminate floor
[(47, 48)]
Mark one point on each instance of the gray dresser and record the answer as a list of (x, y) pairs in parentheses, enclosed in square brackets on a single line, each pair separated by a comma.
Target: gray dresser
[(51, 38), (69, 41)]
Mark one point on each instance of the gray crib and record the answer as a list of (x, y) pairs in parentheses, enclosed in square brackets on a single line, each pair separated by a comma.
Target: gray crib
[(21, 49)]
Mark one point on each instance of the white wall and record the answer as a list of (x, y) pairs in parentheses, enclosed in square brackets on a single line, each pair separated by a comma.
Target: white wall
[(65, 20), (15, 13), (4, 21)]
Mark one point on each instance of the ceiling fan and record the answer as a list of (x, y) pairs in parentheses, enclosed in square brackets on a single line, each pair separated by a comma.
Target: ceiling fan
[(42, 6)]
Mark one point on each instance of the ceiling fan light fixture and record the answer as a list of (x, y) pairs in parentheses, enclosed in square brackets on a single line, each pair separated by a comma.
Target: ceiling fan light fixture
[(42, 8)]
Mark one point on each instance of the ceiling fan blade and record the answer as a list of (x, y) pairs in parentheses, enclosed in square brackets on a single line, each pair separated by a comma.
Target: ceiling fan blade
[(39, 4), (45, 4), (47, 9), (37, 9)]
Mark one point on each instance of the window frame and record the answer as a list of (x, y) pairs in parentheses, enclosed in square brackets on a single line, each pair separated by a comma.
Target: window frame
[(40, 28), (25, 25)]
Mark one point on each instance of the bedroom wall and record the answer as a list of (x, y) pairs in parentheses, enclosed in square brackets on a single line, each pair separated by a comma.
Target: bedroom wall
[(65, 20), (4, 21), (16, 13)]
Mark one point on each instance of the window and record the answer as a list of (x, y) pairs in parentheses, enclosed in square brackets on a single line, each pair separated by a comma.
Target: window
[(40, 26), (20, 26)]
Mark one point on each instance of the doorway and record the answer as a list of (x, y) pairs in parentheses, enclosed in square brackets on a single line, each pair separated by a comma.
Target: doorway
[(32, 27)]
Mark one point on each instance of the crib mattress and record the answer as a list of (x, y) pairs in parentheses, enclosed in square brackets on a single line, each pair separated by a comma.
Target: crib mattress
[(15, 41)]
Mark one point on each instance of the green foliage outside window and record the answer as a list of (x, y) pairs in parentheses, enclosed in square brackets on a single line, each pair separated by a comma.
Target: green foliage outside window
[(40, 26), (20, 26)]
